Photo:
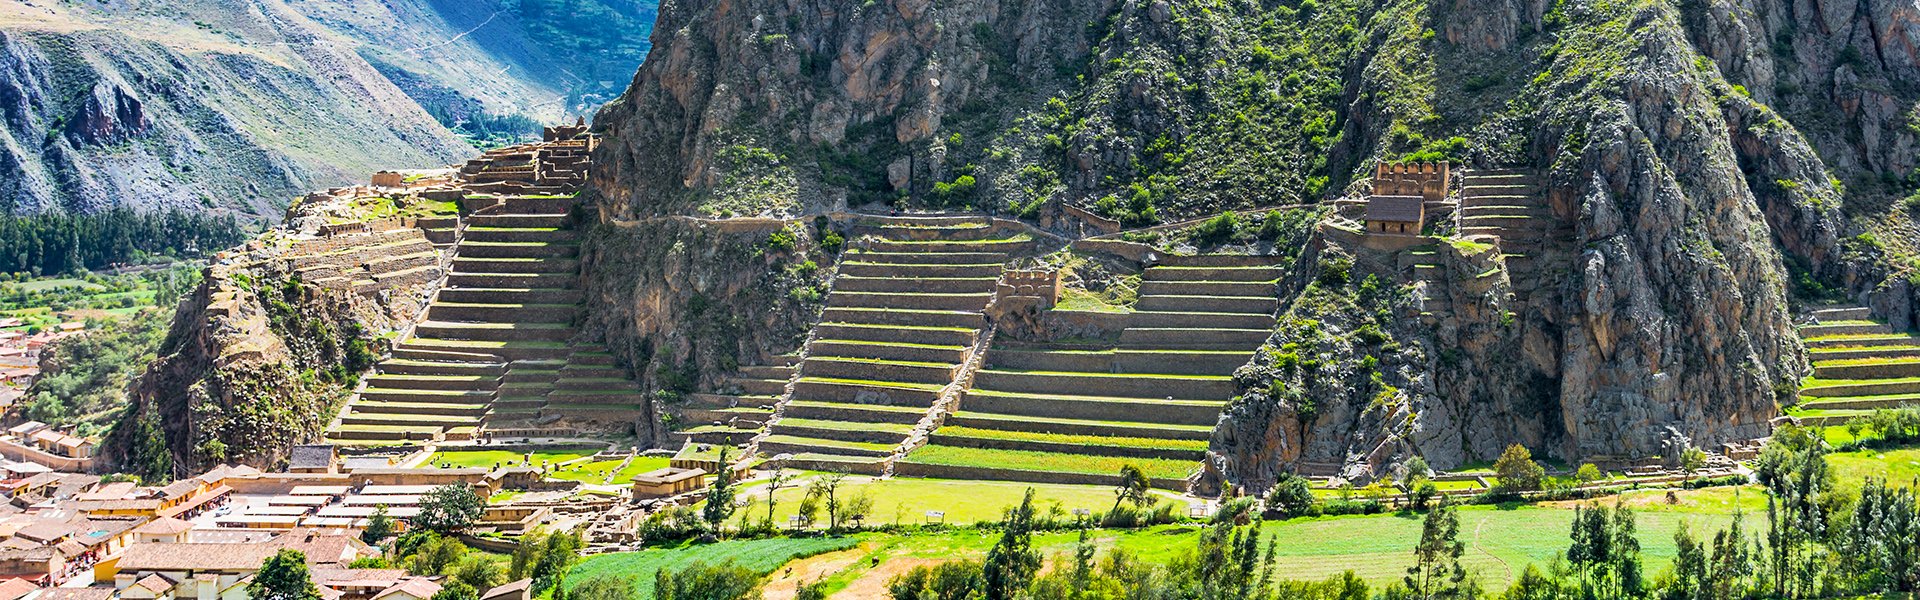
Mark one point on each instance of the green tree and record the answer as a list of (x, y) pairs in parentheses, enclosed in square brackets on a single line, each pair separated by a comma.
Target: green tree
[(1436, 572), (436, 555), (479, 572), (1517, 471), (1290, 496), (699, 581), (456, 590), (449, 508), (603, 587), (284, 576), (1012, 561), (826, 489), (952, 580), (1132, 488), (379, 527), (719, 496)]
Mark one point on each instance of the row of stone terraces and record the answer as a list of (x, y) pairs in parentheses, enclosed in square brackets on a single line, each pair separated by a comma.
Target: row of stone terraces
[(385, 260), (495, 347), (1859, 365), (734, 411), (1077, 412), (1507, 207), (901, 320)]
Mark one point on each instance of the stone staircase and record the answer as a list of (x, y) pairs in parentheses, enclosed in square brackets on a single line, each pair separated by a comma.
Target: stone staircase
[(904, 314), (495, 347), (1507, 208), (734, 411), (1074, 412), (1859, 365)]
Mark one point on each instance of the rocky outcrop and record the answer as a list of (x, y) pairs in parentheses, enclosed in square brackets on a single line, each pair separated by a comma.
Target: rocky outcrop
[(1664, 323), (685, 302)]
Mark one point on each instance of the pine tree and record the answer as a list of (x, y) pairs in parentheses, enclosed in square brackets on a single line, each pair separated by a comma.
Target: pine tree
[(1012, 562)]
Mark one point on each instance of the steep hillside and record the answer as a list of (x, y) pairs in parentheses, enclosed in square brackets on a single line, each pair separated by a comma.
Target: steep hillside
[(1704, 165), (243, 105)]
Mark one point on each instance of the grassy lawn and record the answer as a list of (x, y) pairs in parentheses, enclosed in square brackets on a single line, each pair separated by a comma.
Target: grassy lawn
[(759, 555), (907, 499), (1898, 467), (596, 472), (1500, 542), (1048, 461), (489, 458)]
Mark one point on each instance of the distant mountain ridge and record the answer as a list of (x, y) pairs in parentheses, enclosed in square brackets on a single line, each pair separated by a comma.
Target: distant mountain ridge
[(238, 106)]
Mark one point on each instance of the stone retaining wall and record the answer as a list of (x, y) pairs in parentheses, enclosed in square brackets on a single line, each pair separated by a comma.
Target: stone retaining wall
[(912, 469)]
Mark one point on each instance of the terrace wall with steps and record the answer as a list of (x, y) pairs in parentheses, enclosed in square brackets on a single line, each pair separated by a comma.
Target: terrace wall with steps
[(1197, 320), (507, 312), (1859, 365), (891, 340)]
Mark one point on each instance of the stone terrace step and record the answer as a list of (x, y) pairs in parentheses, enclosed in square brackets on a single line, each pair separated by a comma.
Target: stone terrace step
[(1133, 385), (1003, 246), (860, 413), (419, 408), (499, 332), (887, 316), (1503, 210), (408, 419), (778, 444), (1478, 189), (780, 372), (1861, 402), (512, 280), (1241, 274), (966, 232), (1207, 288), (719, 436), (472, 249), (943, 336), (1219, 260), (1181, 362), (911, 301), (901, 284), (427, 367), (1855, 353), (719, 401), (510, 295), (1876, 369), (1100, 446), (856, 268), (1209, 304), (1200, 320), (1096, 408), (433, 382), (887, 351), (1193, 339), (1845, 328), (372, 394), (517, 221), (1863, 388), (1034, 424), (1863, 341), (534, 266), (539, 205), (865, 392), (929, 258), (502, 234), (892, 371), (516, 350), (833, 463), (1849, 313), (503, 313), (434, 355), (871, 433)]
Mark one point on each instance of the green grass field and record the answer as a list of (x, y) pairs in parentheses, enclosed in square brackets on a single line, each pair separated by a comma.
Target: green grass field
[(907, 500), (489, 458), (761, 556), (596, 472), (1048, 461), (1500, 542), (1898, 467)]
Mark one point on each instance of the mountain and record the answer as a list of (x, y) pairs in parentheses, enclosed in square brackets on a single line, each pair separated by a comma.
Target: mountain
[(1700, 170), (241, 105)]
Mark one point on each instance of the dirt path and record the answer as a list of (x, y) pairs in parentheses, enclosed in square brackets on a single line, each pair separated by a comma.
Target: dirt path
[(873, 583), (785, 583)]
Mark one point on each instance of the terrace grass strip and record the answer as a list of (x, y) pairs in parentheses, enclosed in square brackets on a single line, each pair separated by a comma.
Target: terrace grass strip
[(1048, 462), (1086, 440)]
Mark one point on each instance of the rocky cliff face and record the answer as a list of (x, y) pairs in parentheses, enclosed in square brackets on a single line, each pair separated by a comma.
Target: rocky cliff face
[(687, 302), (1708, 161)]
